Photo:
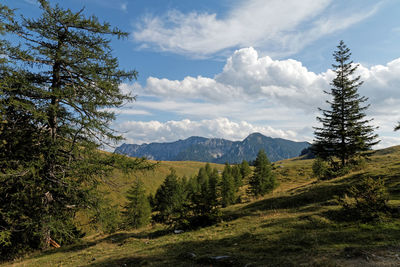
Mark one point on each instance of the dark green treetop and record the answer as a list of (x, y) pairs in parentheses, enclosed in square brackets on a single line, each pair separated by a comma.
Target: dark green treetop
[(263, 181), (228, 188), (169, 200), (138, 211), (345, 130)]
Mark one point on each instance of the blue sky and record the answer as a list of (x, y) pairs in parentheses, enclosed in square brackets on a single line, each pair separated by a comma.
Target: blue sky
[(229, 68)]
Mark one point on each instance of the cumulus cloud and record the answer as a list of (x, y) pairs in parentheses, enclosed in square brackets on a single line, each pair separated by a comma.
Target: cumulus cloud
[(139, 132), (247, 77), (258, 90), (277, 27)]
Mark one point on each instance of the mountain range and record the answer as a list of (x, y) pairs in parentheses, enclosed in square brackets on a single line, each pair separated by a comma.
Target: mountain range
[(216, 150)]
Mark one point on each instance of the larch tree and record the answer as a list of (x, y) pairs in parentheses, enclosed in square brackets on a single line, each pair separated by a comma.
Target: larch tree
[(345, 131), (137, 211), (58, 81)]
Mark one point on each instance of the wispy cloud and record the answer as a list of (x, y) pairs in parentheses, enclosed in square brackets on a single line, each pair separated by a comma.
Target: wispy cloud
[(275, 27)]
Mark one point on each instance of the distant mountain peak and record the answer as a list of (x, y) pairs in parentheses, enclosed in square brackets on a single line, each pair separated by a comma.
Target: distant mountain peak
[(217, 150)]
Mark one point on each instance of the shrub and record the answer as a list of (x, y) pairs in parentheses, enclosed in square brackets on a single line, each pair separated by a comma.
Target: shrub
[(320, 168), (366, 201)]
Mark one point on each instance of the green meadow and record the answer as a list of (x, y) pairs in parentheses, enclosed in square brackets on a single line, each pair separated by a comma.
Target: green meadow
[(295, 225)]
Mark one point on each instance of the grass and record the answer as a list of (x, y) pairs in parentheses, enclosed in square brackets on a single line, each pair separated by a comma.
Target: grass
[(119, 183), (296, 225)]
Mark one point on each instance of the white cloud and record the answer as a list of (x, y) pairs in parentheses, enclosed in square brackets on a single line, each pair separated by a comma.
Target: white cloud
[(276, 27), (139, 132), (260, 91), (246, 77)]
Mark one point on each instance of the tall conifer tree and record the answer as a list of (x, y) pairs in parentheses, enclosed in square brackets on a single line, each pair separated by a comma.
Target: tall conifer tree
[(263, 180), (137, 211), (228, 188), (169, 200), (345, 132), (57, 80)]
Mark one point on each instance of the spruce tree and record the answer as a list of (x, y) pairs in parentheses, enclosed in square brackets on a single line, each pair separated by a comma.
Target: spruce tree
[(199, 198), (228, 188), (345, 132), (169, 200), (204, 201), (57, 80), (214, 190), (237, 177), (263, 181), (245, 169), (137, 212)]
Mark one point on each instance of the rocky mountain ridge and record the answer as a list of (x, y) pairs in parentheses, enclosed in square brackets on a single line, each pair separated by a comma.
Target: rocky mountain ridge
[(216, 150)]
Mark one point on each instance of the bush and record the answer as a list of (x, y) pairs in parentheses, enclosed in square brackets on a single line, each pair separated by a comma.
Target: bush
[(320, 168), (366, 201), (324, 170)]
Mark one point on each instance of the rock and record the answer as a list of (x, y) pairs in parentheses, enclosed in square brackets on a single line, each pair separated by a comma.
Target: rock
[(219, 258), (188, 255), (178, 231)]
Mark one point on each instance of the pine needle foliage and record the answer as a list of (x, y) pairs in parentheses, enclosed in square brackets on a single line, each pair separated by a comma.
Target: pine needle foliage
[(345, 130), (169, 201), (228, 187), (138, 211), (57, 80), (263, 180)]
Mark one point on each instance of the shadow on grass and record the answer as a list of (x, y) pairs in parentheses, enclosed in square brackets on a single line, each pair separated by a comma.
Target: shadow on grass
[(295, 242), (119, 238)]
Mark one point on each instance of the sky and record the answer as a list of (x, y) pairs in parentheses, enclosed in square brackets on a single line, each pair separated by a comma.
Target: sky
[(228, 68)]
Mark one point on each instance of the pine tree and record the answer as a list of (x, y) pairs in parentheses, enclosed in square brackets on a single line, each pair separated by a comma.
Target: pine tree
[(137, 212), (245, 169), (56, 82), (345, 131), (228, 192), (204, 201), (263, 181), (237, 177), (199, 198), (213, 190), (169, 200)]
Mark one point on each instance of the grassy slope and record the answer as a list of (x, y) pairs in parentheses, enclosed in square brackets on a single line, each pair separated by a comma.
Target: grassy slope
[(119, 183), (290, 227)]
